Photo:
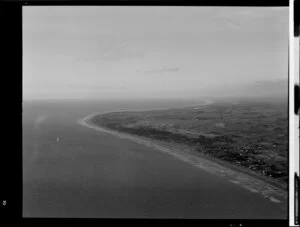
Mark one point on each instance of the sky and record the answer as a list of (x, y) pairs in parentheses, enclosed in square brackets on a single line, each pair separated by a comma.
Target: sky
[(116, 52)]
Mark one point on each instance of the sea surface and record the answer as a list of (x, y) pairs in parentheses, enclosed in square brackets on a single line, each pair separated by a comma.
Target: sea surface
[(74, 171)]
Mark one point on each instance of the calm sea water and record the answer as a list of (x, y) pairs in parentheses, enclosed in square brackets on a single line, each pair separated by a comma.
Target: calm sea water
[(73, 171)]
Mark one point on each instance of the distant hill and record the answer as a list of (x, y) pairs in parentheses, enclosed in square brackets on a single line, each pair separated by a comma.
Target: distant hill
[(259, 89), (278, 88)]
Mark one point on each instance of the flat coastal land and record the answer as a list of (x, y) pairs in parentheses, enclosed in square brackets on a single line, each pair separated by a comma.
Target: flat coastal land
[(246, 142)]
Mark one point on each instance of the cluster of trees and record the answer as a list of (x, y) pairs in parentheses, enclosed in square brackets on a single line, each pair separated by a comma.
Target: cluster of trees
[(223, 147)]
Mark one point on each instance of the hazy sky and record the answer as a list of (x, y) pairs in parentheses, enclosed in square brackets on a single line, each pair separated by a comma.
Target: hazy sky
[(115, 51)]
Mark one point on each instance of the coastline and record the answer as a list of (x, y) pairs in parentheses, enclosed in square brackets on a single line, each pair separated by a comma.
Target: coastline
[(219, 168)]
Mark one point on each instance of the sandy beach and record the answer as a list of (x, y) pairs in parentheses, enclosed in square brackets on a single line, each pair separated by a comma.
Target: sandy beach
[(250, 183)]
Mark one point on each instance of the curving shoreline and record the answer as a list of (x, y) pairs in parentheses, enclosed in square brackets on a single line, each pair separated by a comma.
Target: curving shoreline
[(184, 153)]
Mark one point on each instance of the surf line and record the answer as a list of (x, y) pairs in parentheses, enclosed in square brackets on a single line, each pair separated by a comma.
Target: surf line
[(249, 183)]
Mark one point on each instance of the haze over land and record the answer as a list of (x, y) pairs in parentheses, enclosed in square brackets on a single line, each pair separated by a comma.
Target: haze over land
[(260, 89), (153, 52)]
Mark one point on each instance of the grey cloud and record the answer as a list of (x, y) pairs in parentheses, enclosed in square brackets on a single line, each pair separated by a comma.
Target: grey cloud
[(165, 70)]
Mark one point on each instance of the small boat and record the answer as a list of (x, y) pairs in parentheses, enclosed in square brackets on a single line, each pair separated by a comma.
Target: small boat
[(57, 139)]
